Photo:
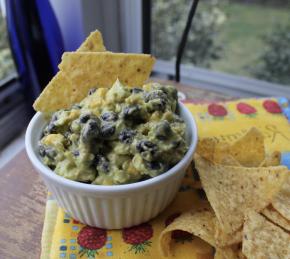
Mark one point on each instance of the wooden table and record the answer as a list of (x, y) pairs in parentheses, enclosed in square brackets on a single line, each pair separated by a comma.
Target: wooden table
[(23, 196)]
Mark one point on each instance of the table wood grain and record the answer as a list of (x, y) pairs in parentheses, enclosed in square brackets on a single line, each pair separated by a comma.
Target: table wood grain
[(23, 196)]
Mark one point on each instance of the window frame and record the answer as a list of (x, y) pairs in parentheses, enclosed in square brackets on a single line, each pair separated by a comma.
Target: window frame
[(209, 79)]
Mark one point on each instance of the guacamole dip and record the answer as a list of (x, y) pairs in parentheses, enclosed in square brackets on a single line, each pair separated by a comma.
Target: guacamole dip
[(116, 136)]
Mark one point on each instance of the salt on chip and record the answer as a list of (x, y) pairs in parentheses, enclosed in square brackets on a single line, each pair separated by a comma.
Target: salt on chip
[(282, 201), (199, 223), (249, 150), (94, 42), (274, 216), (232, 191), (263, 239), (60, 93)]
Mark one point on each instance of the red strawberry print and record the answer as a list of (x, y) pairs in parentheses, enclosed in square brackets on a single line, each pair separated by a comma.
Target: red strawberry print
[(138, 237), (91, 239), (245, 108), (217, 110), (178, 235), (272, 106)]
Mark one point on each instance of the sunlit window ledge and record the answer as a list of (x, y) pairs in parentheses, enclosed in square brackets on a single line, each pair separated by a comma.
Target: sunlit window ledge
[(222, 82)]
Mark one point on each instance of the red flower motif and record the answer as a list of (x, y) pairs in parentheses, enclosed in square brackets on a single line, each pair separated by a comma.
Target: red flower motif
[(138, 237), (245, 108), (272, 106), (91, 239), (178, 235), (217, 110)]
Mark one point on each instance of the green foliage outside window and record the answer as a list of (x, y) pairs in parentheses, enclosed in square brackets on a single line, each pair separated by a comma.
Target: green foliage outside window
[(274, 62), (6, 61), (168, 22)]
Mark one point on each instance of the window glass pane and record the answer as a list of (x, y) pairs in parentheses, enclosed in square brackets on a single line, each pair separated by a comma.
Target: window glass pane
[(243, 37), (7, 66)]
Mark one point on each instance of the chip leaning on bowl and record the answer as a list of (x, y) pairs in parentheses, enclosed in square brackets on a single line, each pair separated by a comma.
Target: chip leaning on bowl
[(116, 135)]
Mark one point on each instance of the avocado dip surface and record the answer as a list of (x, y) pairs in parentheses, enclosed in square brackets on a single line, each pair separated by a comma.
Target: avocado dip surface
[(116, 135)]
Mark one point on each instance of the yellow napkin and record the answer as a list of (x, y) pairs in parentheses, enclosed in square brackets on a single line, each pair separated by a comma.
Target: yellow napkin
[(64, 237)]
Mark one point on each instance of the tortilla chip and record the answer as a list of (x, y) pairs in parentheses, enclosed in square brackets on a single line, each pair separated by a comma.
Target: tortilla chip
[(271, 160), (282, 201), (229, 252), (262, 239), (200, 223), (60, 93), (228, 160), (94, 42), (93, 69), (57, 95), (205, 148), (220, 152), (231, 190), (249, 150), (223, 239), (275, 217)]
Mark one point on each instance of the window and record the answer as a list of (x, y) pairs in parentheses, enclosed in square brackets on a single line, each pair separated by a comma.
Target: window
[(7, 67), (245, 39)]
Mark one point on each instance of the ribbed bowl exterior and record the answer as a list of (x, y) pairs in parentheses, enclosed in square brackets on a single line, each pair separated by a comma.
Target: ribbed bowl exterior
[(119, 211), (112, 207)]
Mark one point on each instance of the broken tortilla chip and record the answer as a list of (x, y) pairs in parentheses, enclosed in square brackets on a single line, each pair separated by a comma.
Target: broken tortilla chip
[(262, 239), (94, 42), (59, 93), (232, 191), (200, 223), (249, 150), (282, 201), (275, 217)]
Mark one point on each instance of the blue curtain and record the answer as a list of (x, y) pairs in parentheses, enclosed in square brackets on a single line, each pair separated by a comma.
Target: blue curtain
[(36, 43)]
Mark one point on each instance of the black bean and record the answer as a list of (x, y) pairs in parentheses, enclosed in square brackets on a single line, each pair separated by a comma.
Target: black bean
[(91, 130), (102, 164), (109, 116), (126, 136), (154, 165), (76, 153), (51, 127), (170, 91), (136, 90), (162, 130), (47, 151), (41, 150), (156, 94), (145, 145), (156, 105), (131, 112), (108, 130), (91, 91), (84, 118)]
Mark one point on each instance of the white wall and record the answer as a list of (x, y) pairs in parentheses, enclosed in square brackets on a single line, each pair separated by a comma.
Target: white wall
[(69, 14), (119, 21)]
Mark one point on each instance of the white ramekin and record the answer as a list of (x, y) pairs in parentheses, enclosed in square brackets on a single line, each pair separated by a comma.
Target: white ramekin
[(112, 207)]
